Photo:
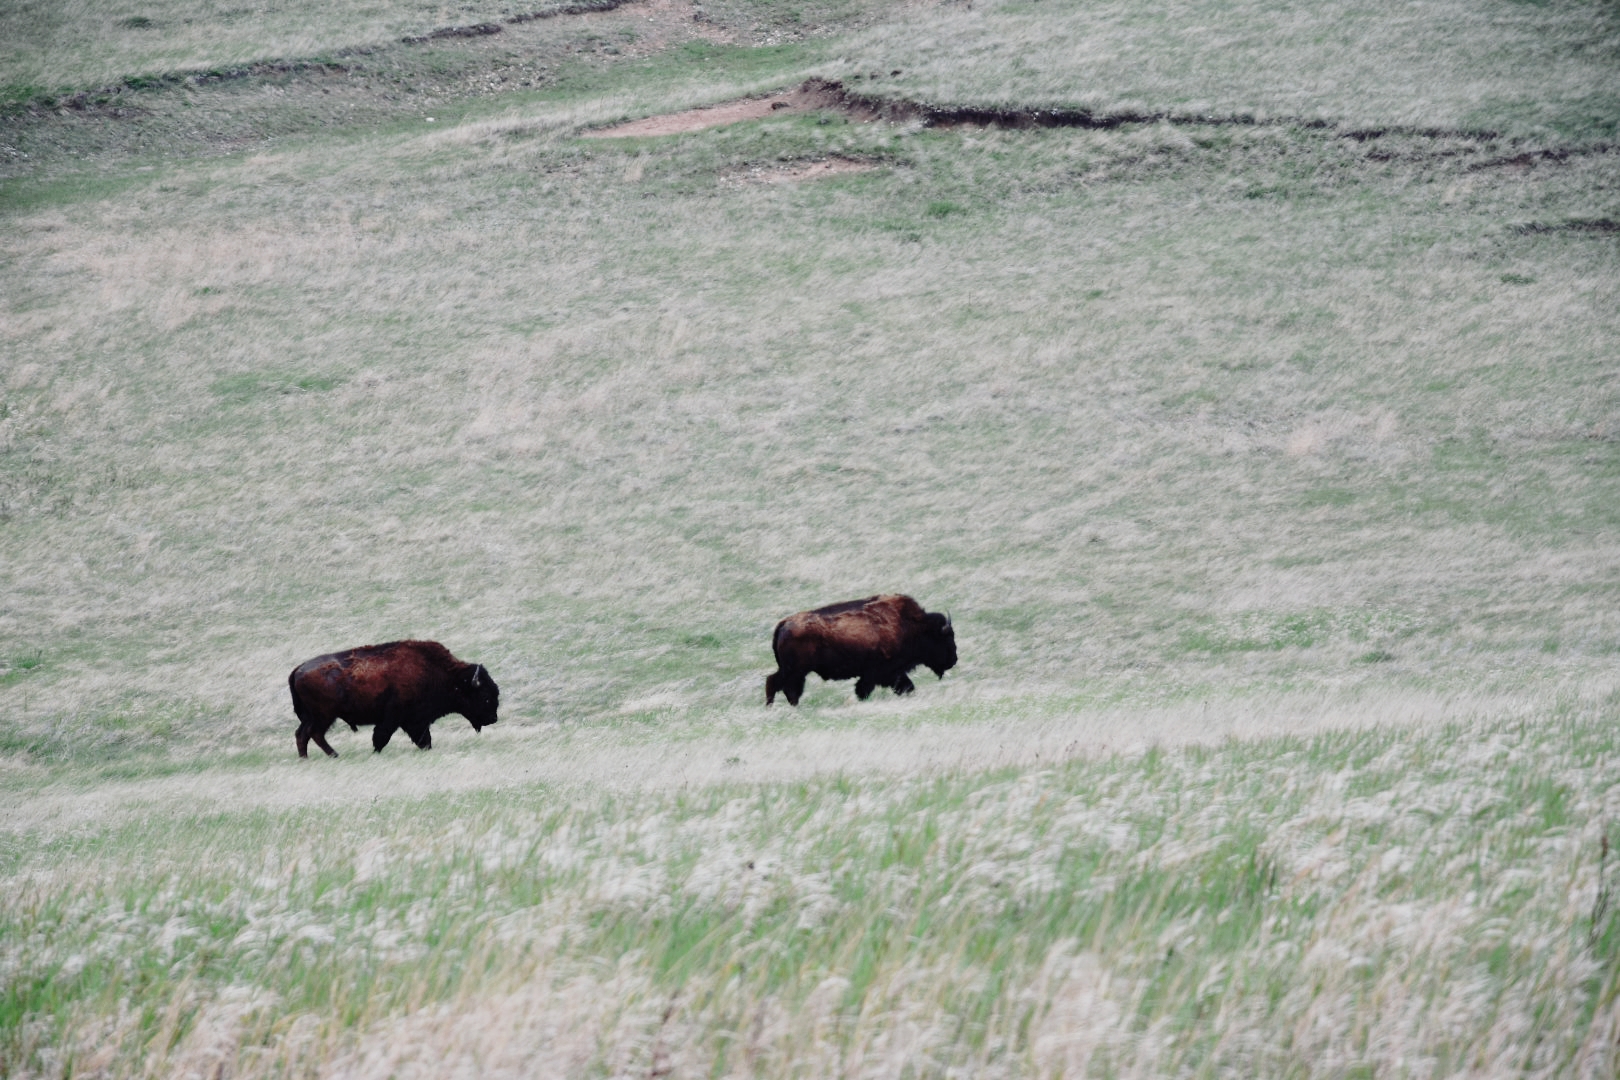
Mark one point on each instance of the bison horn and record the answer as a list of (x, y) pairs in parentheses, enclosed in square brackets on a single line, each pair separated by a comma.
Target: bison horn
[(477, 670), (947, 620)]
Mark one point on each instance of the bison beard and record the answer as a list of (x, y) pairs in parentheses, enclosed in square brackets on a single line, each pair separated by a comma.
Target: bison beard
[(876, 641), (400, 686)]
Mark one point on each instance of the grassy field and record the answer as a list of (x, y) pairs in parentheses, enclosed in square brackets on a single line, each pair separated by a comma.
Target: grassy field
[(1534, 71), (1384, 903), (1269, 469)]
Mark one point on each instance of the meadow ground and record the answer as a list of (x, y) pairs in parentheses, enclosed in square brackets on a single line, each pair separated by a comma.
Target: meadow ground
[(1258, 430)]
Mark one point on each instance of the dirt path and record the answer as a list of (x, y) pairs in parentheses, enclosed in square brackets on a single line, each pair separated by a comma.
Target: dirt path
[(810, 97), (762, 750)]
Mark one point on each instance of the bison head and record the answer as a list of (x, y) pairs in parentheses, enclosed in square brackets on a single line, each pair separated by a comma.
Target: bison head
[(938, 644), (480, 696)]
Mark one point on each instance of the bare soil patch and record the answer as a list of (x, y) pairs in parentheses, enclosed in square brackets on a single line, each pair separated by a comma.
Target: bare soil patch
[(792, 172), (814, 95)]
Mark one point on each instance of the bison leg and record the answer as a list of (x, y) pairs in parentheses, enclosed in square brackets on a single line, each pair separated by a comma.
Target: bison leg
[(422, 737), (863, 687), (381, 734), (788, 685), (903, 685), (319, 735), (310, 727)]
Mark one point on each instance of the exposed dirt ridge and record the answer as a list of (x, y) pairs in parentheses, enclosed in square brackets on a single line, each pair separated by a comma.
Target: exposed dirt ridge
[(576, 7), (901, 110), (475, 30), (83, 100), (830, 94), (1604, 226), (817, 94)]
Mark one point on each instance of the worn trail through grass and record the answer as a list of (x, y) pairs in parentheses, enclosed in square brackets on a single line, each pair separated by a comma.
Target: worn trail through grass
[(874, 742)]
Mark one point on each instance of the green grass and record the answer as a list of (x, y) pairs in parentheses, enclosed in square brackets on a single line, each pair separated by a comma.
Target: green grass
[(14, 669)]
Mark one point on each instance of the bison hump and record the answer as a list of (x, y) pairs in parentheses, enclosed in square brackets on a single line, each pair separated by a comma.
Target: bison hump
[(833, 610)]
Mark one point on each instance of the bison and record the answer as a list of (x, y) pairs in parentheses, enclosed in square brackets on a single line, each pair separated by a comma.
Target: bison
[(875, 641), (401, 685)]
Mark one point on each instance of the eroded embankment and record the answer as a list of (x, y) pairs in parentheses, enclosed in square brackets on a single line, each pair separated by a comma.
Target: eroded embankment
[(184, 114), (94, 99), (901, 110), (828, 94)]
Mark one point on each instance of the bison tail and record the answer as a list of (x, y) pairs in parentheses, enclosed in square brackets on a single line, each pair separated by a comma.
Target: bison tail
[(298, 704)]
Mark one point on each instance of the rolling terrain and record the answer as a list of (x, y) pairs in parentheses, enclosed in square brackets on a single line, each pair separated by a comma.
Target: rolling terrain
[(1240, 378)]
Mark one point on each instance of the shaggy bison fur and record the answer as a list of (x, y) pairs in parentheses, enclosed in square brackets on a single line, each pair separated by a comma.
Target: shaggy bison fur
[(403, 685), (876, 642)]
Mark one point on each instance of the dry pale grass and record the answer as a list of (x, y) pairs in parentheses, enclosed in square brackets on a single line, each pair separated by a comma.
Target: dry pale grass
[(1199, 435), (1147, 430)]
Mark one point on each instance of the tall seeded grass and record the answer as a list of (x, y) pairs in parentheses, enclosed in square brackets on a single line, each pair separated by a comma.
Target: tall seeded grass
[(1384, 902)]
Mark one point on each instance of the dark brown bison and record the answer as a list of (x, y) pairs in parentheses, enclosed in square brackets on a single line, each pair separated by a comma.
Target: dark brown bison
[(401, 685), (875, 641)]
